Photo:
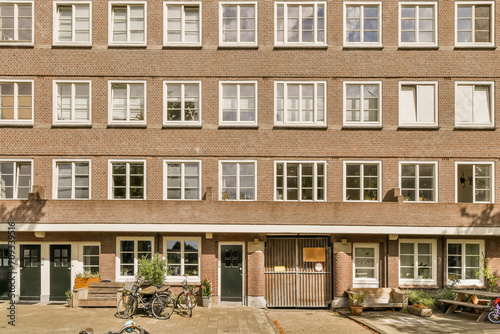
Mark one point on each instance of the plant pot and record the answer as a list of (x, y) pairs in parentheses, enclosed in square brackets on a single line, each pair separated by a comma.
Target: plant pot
[(422, 312), (70, 302), (356, 310), (81, 282), (207, 301)]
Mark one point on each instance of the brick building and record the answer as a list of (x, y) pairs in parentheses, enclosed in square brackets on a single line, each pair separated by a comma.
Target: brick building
[(285, 150)]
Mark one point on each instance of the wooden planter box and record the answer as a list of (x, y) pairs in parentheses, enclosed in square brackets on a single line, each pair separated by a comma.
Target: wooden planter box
[(423, 312), (84, 282)]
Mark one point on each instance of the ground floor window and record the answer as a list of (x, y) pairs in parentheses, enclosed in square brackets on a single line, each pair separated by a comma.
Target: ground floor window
[(365, 265), (91, 261), (417, 262), (183, 257), (464, 261), (129, 251)]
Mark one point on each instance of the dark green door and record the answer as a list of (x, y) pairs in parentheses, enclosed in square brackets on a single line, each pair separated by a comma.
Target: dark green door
[(4, 272), (30, 272), (60, 271), (231, 273)]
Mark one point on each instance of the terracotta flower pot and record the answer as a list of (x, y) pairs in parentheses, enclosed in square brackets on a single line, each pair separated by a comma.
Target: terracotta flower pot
[(356, 310)]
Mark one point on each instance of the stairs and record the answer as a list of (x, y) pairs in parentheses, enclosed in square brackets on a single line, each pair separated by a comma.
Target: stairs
[(101, 294)]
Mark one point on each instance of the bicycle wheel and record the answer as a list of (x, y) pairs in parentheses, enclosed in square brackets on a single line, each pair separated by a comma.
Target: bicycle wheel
[(494, 317), (184, 304), (126, 307), (163, 307)]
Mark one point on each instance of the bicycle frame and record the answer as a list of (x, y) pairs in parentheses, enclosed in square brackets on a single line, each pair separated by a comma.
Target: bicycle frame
[(494, 315)]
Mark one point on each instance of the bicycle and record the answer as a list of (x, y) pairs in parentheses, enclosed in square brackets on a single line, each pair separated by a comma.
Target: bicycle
[(129, 327), (161, 305), (186, 300), (494, 315)]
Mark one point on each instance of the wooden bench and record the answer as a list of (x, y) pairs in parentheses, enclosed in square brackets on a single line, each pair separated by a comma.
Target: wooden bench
[(455, 302), (382, 298)]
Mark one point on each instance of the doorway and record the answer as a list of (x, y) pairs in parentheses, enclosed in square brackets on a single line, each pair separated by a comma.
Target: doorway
[(231, 272), (60, 271), (30, 272)]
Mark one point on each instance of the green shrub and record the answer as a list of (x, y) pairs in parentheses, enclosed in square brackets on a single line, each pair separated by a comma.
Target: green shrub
[(152, 269), (422, 297)]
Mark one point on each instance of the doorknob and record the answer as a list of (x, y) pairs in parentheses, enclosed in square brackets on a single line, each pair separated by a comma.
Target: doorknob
[(69, 268)]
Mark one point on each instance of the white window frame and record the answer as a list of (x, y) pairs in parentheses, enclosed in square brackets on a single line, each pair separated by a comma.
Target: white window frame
[(221, 24), (221, 104), (285, 43), (119, 277), (416, 280), (55, 96), (362, 5), (315, 123), (418, 124), (55, 39), (473, 163), (416, 5), (16, 42), (238, 162), (16, 120), (16, 176), (183, 123), (110, 102), (299, 180), (492, 25), (82, 248), (127, 43), (182, 163), (366, 282), (165, 22), (477, 282), (362, 123), (417, 178), (191, 279), (127, 186), (491, 101), (361, 176), (55, 163)]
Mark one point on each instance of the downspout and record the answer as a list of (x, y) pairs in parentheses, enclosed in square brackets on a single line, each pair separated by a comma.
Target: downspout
[(387, 262), (443, 257)]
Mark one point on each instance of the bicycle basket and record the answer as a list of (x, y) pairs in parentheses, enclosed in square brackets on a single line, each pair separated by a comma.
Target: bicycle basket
[(131, 287)]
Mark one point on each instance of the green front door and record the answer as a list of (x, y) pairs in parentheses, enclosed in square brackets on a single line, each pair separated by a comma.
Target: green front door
[(60, 271), (231, 273), (30, 272), (4, 272)]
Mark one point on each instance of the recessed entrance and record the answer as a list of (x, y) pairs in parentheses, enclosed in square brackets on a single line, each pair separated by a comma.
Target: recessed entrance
[(60, 271), (231, 273), (30, 272)]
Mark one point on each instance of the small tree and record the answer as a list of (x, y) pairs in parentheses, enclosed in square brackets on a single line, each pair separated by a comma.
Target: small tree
[(153, 269)]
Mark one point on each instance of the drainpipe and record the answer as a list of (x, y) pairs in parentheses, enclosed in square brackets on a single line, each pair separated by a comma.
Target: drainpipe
[(387, 262), (443, 257)]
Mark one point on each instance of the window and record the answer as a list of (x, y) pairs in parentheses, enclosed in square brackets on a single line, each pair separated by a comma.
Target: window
[(238, 180), (300, 104), (300, 23), (464, 261), (16, 22), (474, 104), (365, 263), (300, 181), (72, 102), (182, 103), (362, 181), (127, 179), (417, 262), (475, 182), (238, 23), (238, 102), (183, 257), (362, 103), (127, 23), (72, 23), (418, 24), (182, 180), (16, 179), (127, 102), (16, 102), (418, 104), (91, 261), (182, 23), (362, 24), (72, 179), (418, 181), (129, 251), (474, 23)]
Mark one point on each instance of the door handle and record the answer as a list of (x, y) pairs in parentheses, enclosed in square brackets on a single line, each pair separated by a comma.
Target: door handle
[(69, 268)]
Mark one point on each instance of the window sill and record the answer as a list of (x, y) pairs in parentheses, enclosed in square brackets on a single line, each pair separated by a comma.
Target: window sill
[(475, 47), (301, 46), (418, 127), (135, 46), (16, 125), (362, 127), (419, 202), (22, 45), (72, 125), (301, 126), (75, 46), (182, 125), (362, 201), (182, 46), (418, 285), (363, 46), (122, 125), (475, 127), (238, 46), (238, 126), (417, 46)]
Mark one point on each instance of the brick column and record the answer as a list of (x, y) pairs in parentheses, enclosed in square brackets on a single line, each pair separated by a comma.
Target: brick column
[(255, 275), (393, 265)]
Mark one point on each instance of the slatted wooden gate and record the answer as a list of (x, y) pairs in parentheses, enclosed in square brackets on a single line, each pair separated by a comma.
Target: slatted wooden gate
[(291, 282)]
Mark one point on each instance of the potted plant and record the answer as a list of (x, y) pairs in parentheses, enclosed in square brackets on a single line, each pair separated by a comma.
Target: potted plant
[(421, 303), (356, 300), (83, 280), (69, 298), (206, 291)]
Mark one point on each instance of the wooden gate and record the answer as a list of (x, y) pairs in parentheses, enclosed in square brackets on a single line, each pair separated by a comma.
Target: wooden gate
[(293, 282)]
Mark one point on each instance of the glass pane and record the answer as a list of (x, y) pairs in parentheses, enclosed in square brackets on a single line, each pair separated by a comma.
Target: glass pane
[(191, 246), (173, 245)]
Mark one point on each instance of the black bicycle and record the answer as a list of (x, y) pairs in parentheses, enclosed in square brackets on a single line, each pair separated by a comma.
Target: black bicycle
[(129, 327)]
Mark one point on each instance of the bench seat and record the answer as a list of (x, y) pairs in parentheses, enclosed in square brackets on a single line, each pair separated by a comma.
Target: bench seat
[(455, 302), (382, 298)]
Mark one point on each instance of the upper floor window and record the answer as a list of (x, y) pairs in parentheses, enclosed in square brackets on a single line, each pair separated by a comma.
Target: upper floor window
[(127, 102), (127, 179), (418, 24), (418, 181), (72, 179), (362, 101), (183, 257), (238, 23), (127, 23), (362, 24), (238, 180), (418, 104), (417, 262), (474, 105), (16, 179), (464, 262), (182, 23), (300, 23), (182, 102), (16, 101), (362, 181), (238, 102), (16, 22), (300, 181), (474, 23), (72, 102), (475, 182), (182, 180), (72, 23), (129, 251), (300, 103)]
